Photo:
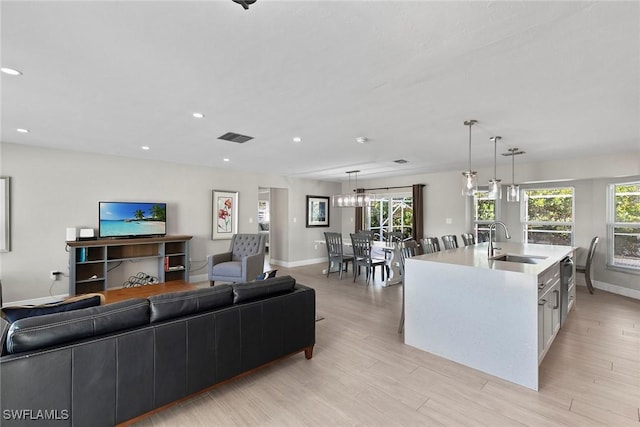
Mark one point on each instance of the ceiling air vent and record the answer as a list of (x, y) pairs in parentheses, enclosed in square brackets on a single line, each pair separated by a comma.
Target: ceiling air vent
[(401, 161), (235, 137)]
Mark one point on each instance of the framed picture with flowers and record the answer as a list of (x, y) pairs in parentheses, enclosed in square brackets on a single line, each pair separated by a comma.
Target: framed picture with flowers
[(224, 216)]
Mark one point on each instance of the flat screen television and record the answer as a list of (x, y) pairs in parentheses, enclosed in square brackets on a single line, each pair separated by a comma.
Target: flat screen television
[(132, 219)]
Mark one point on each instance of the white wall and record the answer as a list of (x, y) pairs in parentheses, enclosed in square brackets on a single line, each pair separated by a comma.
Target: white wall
[(55, 189)]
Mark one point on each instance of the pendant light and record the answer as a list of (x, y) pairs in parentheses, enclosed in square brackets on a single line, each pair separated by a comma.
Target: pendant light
[(469, 177), (513, 191), (495, 188), (353, 199)]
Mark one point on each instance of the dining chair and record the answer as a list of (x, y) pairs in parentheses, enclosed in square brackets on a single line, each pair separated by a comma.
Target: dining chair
[(335, 253), (483, 236), (468, 239), (362, 257), (430, 245), (450, 241), (405, 252), (586, 269), (413, 246)]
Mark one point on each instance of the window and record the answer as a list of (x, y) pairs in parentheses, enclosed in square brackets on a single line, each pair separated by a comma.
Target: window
[(484, 213), (390, 213), (547, 215), (624, 226)]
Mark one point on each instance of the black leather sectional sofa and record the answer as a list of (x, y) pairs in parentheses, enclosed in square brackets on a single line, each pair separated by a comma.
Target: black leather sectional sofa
[(104, 365)]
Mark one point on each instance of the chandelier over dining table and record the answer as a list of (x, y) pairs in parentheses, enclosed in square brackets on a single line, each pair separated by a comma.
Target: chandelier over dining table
[(353, 199)]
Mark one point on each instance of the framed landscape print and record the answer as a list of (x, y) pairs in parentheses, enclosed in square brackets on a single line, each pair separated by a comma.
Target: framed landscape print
[(224, 218), (317, 211)]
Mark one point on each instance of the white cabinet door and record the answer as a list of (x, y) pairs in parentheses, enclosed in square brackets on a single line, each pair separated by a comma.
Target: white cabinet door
[(541, 304)]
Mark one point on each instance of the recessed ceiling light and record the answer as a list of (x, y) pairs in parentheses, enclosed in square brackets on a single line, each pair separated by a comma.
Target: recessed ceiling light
[(23, 130), (297, 139), (198, 115), (145, 147), (361, 139), (225, 159), (10, 71)]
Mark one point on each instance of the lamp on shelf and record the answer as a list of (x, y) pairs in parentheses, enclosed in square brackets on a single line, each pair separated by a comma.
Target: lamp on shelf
[(469, 177), (354, 199), (495, 188), (513, 190)]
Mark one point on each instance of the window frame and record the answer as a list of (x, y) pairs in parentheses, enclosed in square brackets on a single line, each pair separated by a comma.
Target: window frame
[(612, 225), (524, 204)]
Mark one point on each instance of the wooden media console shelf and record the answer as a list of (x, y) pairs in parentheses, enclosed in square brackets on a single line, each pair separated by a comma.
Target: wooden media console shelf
[(90, 261)]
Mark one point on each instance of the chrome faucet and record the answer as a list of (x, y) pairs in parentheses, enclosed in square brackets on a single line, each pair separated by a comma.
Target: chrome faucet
[(492, 226)]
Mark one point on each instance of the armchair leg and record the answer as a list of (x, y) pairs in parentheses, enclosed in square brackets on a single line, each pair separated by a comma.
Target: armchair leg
[(211, 282)]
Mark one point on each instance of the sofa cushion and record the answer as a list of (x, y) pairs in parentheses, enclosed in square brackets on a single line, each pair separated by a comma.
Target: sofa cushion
[(11, 314), (260, 289), (176, 304), (52, 329)]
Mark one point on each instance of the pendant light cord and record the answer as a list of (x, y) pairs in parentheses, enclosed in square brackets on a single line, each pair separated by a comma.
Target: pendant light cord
[(470, 124), (495, 157)]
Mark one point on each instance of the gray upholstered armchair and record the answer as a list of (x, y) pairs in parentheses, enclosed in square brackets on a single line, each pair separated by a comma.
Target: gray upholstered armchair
[(242, 263)]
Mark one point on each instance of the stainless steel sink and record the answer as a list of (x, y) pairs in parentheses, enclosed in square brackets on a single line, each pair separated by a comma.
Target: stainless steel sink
[(523, 259)]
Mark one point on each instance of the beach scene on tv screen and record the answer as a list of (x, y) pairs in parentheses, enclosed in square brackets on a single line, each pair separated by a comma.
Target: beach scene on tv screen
[(132, 219)]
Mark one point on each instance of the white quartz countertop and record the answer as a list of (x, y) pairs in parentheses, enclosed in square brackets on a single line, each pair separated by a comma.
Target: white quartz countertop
[(476, 256)]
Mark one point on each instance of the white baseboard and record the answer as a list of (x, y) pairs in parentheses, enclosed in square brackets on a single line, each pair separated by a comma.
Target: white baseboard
[(297, 263), (614, 289), (36, 301)]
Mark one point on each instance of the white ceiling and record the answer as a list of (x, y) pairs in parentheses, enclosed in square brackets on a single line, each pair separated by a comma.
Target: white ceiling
[(556, 79)]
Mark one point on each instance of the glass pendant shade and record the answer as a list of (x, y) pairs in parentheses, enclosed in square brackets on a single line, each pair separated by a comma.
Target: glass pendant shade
[(495, 189), (513, 190), (469, 183), (353, 200), (513, 193), (469, 177)]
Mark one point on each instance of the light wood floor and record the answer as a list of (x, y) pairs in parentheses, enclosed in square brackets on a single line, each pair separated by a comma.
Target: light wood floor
[(362, 373)]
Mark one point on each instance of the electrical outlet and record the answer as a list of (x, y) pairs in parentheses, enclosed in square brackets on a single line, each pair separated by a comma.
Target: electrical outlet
[(54, 274)]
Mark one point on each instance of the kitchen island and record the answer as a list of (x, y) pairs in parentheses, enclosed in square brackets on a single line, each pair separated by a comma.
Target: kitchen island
[(497, 316)]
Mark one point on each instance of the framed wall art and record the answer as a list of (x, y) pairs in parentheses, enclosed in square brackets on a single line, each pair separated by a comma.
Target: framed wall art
[(224, 218), (317, 211)]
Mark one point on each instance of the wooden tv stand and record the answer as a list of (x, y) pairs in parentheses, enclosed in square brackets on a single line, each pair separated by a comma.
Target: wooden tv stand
[(122, 294), (91, 260)]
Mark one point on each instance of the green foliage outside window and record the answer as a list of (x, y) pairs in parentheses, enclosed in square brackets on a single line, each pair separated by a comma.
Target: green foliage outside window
[(549, 216), (485, 207), (550, 205)]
